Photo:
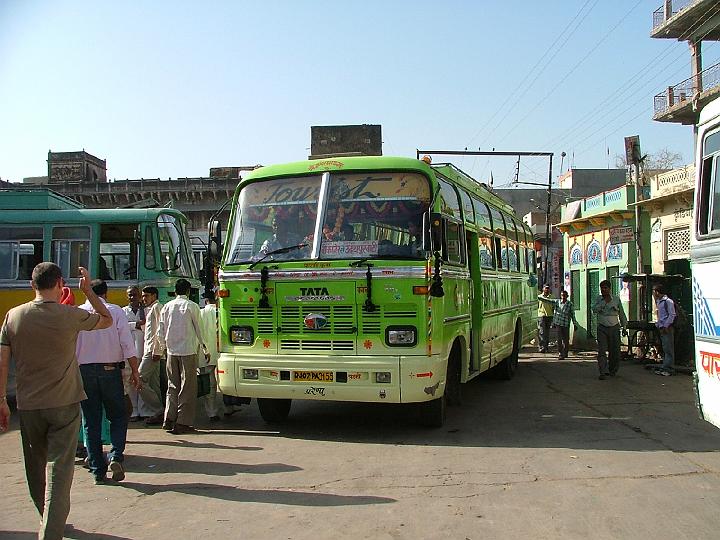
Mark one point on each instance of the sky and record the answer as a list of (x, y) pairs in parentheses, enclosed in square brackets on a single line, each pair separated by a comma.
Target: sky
[(169, 89)]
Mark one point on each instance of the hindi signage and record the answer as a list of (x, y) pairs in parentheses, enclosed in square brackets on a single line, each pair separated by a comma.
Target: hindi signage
[(621, 235)]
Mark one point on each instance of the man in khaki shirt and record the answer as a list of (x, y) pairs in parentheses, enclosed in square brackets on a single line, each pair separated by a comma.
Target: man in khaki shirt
[(40, 336)]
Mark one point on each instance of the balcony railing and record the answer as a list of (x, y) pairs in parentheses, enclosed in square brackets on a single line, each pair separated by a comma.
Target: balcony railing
[(660, 15), (686, 90)]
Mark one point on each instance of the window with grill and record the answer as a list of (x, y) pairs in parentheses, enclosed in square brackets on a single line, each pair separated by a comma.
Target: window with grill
[(677, 243)]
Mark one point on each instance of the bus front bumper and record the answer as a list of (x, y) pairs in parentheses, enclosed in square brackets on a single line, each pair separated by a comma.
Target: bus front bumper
[(391, 379)]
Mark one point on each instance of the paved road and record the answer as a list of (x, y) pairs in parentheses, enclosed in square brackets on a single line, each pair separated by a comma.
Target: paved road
[(555, 453)]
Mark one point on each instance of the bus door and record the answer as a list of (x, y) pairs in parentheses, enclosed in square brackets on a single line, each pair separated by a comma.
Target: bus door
[(473, 259)]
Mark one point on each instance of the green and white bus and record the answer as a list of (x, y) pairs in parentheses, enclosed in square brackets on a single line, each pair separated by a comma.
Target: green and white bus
[(122, 246), (372, 279)]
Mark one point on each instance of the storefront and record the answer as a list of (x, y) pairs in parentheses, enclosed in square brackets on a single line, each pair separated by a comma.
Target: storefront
[(597, 247)]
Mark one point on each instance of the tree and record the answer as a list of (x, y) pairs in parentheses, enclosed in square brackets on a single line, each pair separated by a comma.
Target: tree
[(662, 159)]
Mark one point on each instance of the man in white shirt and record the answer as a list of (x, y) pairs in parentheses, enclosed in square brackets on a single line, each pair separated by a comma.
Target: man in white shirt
[(136, 322), (179, 334), (151, 363), (212, 402), (101, 355)]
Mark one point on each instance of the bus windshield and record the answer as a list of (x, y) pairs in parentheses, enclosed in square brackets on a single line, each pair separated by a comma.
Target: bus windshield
[(174, 246), (365, 215)]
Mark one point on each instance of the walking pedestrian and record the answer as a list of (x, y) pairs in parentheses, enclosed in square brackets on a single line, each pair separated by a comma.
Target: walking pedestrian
[(135, 314), (665, 325), (40, 337), (545, 317), (102, 356), (179, 334), (152, 364), (213, 401), (563, 313), (611, 318)]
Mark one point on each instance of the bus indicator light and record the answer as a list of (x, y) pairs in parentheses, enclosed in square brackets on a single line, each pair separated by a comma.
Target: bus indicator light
[(421, 290), (426, 374), (223, 293)]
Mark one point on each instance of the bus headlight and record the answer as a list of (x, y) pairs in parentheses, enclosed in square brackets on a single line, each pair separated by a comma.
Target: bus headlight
[(242, 335), (401, 336)]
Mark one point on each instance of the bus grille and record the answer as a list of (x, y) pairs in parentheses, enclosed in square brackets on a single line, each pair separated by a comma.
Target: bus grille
[(262, 316), (370, 322), (316, 345), (341, 319)]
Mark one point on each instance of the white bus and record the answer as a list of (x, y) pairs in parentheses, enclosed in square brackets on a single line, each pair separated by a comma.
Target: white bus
[(705, 258)]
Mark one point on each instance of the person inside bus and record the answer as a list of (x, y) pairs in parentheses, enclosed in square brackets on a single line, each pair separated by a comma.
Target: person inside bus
[(415, 242), (104, 271), (283, 236)]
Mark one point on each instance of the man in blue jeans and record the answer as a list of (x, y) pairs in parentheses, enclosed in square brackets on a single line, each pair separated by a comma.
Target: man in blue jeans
[(664, 324), (101, 355)]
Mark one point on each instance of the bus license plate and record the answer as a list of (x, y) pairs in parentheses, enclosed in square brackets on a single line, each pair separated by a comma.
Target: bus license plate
[(313, 376)]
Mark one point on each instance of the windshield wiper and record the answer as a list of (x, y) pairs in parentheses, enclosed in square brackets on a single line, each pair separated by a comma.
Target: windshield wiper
[(287, 249)]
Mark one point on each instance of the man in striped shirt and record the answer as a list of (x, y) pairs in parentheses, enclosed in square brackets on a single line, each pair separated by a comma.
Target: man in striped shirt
[(664, 324), (563, 313)]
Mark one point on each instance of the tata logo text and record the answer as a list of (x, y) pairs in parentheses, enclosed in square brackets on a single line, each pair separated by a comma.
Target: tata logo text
[(315, 321), (314, 291)]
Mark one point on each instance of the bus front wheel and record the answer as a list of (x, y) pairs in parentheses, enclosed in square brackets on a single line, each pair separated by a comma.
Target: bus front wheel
[(274, 411), (433, 412)]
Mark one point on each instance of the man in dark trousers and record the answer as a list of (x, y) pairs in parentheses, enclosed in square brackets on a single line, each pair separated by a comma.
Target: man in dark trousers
[(180, 335), (40, 336), (664, 324), (611, 318)]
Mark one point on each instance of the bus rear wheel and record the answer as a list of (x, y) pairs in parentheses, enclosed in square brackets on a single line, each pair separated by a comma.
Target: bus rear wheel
[(274, 411)]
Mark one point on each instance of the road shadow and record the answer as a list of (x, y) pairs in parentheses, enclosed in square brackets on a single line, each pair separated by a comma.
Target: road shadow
[(162, 465), (269, 496), (196, 444), (70, 533), (550, 403)]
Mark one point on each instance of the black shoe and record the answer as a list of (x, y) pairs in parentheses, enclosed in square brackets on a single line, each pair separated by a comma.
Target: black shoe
[(182, 429), (155, 420), (168, 426), (118, 471), (100, 480), (215, 418), (601, 377)]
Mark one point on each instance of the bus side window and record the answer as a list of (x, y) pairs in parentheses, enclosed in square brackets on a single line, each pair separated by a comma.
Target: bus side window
[(708, 219), (21, 248), (71, 249), (455, 253), (118, 251)]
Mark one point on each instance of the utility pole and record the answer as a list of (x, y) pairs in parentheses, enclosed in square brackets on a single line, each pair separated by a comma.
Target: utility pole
[(633, 157)]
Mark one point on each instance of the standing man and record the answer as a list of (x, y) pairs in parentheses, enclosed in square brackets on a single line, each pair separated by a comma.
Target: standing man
[(545, 317), (135, 315), (666, 318), (179, 334), (611, 316), (563, 313), (40, 336), (151, 364), (212, 402), (101, 356)]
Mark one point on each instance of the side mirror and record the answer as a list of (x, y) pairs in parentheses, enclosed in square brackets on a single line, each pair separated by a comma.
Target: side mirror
[(436, 231), (215, 239)]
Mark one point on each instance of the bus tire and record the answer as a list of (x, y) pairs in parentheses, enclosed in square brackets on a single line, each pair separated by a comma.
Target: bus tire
[(433, 412), (506, 369), (274, 411), (453, 387)]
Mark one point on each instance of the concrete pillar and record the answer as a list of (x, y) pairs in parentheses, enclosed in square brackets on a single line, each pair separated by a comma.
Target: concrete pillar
[(668, 9), (696, 65)]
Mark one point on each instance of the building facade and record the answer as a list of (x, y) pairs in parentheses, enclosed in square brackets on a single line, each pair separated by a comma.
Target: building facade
[(592, 256)]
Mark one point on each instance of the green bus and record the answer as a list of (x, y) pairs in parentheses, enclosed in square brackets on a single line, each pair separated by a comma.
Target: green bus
[(122, 246), (372, 279)]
